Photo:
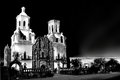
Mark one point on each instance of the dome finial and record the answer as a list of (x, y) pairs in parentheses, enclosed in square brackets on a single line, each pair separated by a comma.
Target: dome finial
[(23, 9)]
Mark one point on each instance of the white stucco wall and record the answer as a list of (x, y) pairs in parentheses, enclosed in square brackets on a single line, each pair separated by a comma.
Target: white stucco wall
[(21, 49), (56, 65)]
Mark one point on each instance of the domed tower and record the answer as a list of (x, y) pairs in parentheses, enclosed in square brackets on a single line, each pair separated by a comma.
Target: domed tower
[(53, 26), (23, 37), (23, 20)]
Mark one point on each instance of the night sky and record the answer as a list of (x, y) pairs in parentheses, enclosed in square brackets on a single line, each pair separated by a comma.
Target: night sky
[(91, 28)]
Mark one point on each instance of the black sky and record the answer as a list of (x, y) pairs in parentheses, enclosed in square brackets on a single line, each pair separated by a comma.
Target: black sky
[(91, 28)]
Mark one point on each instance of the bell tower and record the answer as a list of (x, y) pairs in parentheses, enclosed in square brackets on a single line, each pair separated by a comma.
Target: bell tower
[(23, 39), (22, 20), (58, 41)]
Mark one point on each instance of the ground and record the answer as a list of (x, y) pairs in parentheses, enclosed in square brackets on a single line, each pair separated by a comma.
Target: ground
[(109, 76)]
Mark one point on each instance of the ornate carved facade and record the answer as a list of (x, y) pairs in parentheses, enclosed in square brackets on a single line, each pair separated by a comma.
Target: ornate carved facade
[(42, 53)]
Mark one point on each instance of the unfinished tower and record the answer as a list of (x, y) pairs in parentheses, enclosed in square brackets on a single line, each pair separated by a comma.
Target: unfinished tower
[(59, 45)]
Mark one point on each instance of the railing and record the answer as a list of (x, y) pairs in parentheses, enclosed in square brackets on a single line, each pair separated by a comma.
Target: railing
[(34, 70), (35, 73)]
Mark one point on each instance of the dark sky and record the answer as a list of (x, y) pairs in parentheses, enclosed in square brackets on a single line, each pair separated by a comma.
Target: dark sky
[(91, 28)]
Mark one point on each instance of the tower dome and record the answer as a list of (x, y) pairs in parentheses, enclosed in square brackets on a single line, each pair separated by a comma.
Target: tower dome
[(22, 20)]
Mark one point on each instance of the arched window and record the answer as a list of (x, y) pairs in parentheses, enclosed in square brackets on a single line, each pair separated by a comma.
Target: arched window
[(58, 56), (61, 39), (56, 39), (25, 55), (19, 23), (23, 23), (42, 55), (56, 28), (30, 36)]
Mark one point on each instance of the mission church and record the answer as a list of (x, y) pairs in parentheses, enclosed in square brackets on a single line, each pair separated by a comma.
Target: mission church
[(49, 50)]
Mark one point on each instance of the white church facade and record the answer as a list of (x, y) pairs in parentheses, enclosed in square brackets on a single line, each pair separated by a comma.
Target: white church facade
[(23, 39)]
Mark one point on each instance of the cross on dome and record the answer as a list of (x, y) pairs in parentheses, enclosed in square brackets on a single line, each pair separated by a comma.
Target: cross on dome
[(23, 9)]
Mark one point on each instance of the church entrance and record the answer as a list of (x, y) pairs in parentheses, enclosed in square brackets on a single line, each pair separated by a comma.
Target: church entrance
[(42, 63), (15, 64), (15, 69), (43, 67)]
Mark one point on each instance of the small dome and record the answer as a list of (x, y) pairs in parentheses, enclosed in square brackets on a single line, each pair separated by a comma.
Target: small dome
[(23, 13)]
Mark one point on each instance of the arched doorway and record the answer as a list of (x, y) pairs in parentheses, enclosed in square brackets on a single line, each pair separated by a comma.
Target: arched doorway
[(43, 63), (15, 68), (42, 67), (15, 64)]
